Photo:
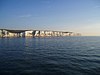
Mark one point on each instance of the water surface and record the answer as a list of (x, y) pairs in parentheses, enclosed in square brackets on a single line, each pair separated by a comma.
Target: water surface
[(50, 56)]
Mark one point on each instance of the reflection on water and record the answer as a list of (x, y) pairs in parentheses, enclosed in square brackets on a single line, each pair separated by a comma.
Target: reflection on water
[(50, 56)]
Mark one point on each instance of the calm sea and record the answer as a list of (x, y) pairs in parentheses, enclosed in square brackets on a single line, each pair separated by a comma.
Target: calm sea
[(50, 56)]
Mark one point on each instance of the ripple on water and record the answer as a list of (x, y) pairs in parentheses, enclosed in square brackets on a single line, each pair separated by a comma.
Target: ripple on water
[(50, 56)]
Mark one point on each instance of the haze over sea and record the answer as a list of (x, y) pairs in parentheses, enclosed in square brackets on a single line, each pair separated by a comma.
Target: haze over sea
[(50, 56)]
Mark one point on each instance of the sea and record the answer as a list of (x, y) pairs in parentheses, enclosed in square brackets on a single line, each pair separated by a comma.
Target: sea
[(50, 56)]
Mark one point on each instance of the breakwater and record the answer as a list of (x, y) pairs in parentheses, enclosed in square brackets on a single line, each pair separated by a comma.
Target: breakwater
[(34, 33)]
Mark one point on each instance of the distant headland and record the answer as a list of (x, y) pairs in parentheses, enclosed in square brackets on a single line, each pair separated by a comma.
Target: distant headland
[(34, 33)]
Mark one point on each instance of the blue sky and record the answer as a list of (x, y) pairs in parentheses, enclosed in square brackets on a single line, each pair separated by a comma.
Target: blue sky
[(81, 16)]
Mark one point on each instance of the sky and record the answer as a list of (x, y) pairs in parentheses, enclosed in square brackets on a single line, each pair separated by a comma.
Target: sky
[(79, 16)]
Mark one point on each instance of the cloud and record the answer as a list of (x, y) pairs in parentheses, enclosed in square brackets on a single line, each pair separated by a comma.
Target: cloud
[(97, 6), (25, 16)]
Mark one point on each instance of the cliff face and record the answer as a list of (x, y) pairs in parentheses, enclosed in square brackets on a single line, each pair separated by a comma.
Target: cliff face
[(33, 33)]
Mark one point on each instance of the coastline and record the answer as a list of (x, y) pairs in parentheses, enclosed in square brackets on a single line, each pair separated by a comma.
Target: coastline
[(34, 33)]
